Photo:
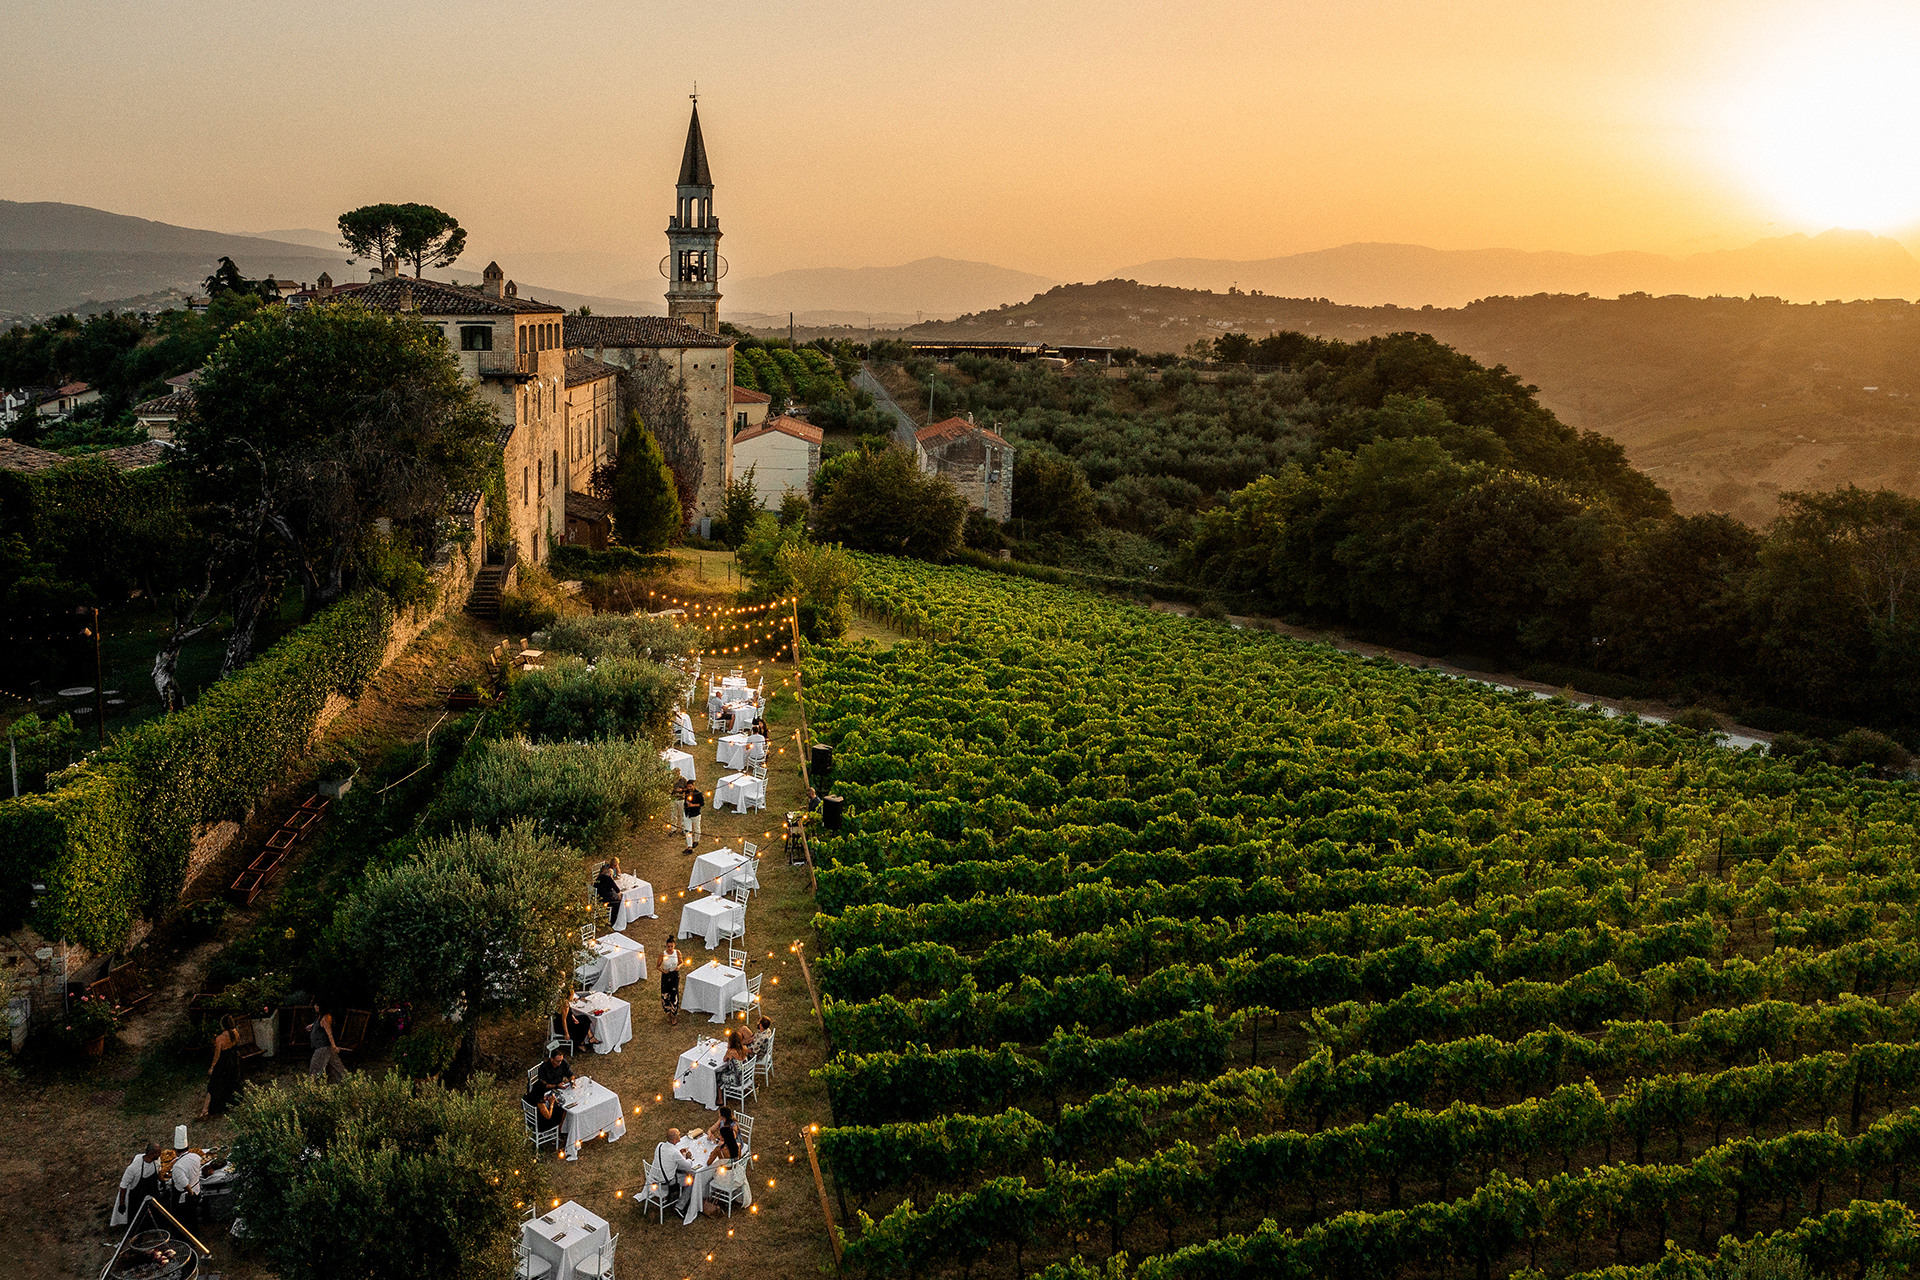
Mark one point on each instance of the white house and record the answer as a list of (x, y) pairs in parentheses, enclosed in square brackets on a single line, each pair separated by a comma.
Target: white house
[(783, 452), (61, 403), (749, 408)]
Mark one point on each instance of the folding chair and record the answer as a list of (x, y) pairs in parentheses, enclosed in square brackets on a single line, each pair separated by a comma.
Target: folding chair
[(743, 1129), (535, 1134), (749, 1000), (600, 1266), (658, 1192), (525, 1265), (739, 1088), (763, 1059), (730, 1184)]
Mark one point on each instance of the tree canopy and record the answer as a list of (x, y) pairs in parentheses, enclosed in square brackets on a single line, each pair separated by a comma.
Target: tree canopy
[(883, 502), (414, 233), (646, 503)]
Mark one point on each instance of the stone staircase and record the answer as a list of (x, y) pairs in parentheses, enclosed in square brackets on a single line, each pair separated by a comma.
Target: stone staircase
[(484, 600)]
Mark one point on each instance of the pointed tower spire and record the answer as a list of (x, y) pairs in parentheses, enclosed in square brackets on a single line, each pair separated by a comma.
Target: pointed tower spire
[(693, 265), (693, 162)]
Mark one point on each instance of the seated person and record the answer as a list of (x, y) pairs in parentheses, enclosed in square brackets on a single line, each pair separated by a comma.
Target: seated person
[(726, 1136), (757, 754), (716, 709), (607, 885), (760, 727), (672, 1165), (759, 1040), (556, 1070), (546, 1107), (576, 1026)]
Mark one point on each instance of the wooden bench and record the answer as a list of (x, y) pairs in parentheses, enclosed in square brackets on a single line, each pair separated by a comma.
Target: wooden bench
[(129, 993)]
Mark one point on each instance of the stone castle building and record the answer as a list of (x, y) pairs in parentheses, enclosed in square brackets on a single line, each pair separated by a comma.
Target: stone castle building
[(554, 378)]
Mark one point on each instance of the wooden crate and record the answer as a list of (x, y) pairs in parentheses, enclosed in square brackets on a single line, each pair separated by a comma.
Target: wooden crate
[(246, 887)]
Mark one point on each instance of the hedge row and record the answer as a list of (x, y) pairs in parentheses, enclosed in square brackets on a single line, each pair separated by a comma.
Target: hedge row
[(111, 840)]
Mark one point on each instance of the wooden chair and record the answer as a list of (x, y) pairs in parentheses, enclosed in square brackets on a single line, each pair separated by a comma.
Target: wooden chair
[(352, 1031), (296, 1021), (129, 993), (247, 1047)]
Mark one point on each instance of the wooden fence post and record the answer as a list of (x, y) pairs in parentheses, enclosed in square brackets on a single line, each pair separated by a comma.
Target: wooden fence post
[(826, 1210)]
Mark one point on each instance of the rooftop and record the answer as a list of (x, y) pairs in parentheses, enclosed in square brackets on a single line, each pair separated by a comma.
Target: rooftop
[(746, 395), (174, 402), (15, 456), (954, 429), (584, 369), (437, 298), (637, 331), (785, 426)]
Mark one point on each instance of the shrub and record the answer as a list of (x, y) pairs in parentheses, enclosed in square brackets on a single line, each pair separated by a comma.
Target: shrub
[(42, 747), (569, 561), (1786, 746), (383, 1176), (620, 697), (616, 636), (427, 1050), (1865, 746), (1700, 720), (885, 503), (523, 614), (582, 793), (88, 1018), (1213, 611)]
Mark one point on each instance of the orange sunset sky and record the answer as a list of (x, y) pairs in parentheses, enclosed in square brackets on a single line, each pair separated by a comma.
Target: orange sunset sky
[(1065, 139)]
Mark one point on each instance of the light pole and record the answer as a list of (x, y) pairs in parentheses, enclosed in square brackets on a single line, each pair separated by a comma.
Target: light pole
[(99, 692)]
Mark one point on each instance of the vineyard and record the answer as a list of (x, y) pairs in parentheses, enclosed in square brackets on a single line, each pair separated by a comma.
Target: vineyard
[(806, 376), (1155, 947)]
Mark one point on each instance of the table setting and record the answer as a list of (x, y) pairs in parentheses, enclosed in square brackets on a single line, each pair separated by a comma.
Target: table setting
[(709, 988), (720, 871), (730, 693), (568, 1237), (612, 1019), (636, 900), (742, 790), (704, 918), (616, 961), (744, 714), (731, 750), (680, 761), (683, 730), (700, 1150), (593, 1111), (696, 1077)]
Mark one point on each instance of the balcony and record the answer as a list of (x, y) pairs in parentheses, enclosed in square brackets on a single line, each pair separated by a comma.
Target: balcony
[(509, 366)]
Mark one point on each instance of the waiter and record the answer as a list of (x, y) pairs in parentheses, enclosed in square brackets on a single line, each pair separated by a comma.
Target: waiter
[(139, 1184), (693, 804)]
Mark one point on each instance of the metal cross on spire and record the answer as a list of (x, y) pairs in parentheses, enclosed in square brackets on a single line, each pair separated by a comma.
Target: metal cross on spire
[(695, 95)]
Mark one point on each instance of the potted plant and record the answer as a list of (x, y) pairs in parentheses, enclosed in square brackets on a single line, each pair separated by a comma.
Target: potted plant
[(336, 776), (89, 1021)]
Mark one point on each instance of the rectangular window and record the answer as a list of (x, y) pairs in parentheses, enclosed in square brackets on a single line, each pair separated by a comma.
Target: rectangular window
[(740, 420), (542, 478), (523, 340), (524, 473), (476, 337)]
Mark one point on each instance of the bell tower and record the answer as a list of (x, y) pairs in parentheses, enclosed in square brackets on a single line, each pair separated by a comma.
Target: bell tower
[(693, 265)]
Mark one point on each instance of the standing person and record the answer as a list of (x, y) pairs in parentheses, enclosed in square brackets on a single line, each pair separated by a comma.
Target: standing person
[(670, 982), (186, 1186), (694, 803), (680, 786), (223, 1077), (139, 1184), (326, 1053)]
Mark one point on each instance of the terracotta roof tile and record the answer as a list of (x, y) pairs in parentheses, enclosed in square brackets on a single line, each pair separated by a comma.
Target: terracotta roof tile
[(174, 402), (746, 395), (15, 456), (953, 429), (785, 426), (584, 369), (637, 331), (437, 298)]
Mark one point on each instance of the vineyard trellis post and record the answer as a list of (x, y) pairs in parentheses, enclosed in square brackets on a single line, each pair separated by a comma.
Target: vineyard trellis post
[(819, 1181)]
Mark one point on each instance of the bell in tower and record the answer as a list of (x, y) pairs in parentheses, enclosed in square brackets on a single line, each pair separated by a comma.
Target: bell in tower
[(693, 265)]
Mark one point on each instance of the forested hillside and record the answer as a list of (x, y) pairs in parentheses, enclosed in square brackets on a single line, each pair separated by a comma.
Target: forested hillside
[(1401, 487), (1247, 958)]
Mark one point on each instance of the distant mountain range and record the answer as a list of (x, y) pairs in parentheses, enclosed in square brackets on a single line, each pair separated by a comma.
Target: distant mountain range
[(929, 288), (1834, 264)]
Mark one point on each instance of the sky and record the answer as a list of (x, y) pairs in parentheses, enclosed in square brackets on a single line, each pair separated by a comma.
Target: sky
[(1069, 140)]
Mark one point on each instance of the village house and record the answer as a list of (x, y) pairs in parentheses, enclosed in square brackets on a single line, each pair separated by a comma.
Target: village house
[(59, 404), (783, 453), (750, 408), (977, 461)]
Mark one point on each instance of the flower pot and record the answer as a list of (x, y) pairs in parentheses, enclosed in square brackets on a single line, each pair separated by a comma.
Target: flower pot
[(266, 1034), (94, 1047)]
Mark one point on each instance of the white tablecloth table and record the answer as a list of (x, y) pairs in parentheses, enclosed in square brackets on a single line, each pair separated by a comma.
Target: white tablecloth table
[(698, 1150), (618, 961), (568, 1237), (636, 901), (593, 1110), (731, 693), (704, 917), (744, 714), (680, 762), (708, 988), (696, 1077), (612, 1019), (741, 790), (719, 871), (683, 730), (731, 750)]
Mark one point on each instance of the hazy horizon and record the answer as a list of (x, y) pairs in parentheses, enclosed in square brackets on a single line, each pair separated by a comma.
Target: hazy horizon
[(856, 134)]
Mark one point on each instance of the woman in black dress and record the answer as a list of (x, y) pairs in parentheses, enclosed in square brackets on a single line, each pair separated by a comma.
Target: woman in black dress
[(223, 1077)]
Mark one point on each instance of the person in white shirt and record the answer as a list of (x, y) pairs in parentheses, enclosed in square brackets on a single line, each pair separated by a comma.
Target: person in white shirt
[(669, 1162), (186, 1187), (757, 754), (716, 709), (138, 1184)]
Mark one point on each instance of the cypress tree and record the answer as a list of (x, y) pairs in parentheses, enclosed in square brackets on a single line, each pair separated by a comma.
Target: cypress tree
[(646, 504)]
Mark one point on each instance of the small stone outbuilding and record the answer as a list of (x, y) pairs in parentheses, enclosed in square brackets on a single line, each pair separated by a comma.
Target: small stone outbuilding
[(977, 461)]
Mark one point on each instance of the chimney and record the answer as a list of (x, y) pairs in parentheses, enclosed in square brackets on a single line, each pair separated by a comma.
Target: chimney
[(390, 265), (513, 290), (406, 295), (493, 280), (375, 276), (324, 285)]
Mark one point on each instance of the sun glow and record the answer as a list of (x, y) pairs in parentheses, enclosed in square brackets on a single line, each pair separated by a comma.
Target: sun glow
[(1826, 128)]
